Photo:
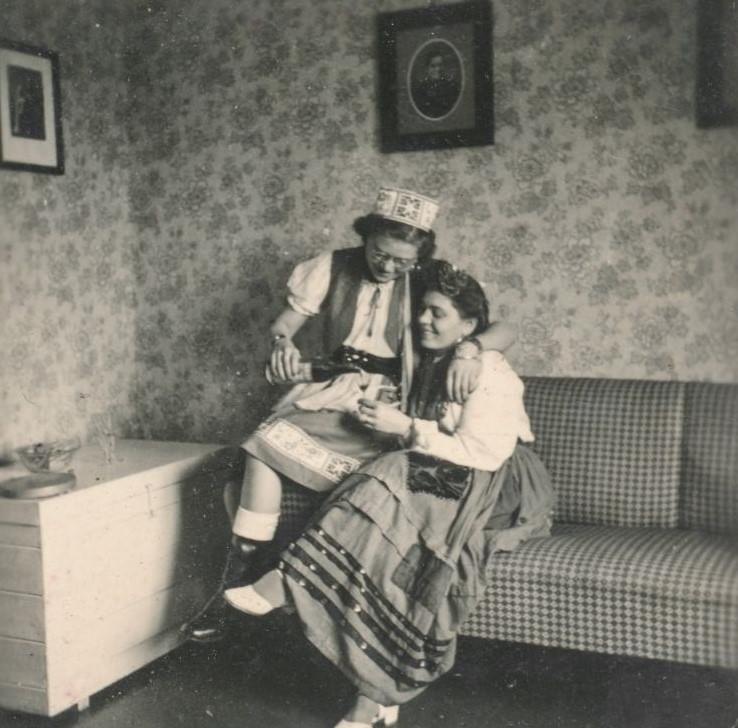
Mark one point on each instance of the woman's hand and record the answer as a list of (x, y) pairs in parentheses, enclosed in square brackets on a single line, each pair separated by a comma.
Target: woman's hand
[(284, 363), (383, 417), (462, 378)]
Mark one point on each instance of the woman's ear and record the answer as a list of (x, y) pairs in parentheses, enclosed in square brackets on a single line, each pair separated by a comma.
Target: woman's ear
[(468, 326)]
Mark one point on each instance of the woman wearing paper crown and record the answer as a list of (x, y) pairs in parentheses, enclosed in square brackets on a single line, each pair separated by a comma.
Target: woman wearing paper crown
[(367, 295)]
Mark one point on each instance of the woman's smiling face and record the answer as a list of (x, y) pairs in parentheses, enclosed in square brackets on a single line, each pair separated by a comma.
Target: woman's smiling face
[(388, 258), (440, 324)]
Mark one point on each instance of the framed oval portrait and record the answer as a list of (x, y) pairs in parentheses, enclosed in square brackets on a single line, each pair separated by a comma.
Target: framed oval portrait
[(435, 77)]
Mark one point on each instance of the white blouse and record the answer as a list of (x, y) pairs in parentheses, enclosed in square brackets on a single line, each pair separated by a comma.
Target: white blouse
[(482, 432), (307, 288)]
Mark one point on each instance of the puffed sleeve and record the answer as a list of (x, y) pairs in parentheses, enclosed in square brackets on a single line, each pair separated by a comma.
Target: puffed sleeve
[(308, 284), (491, 421)]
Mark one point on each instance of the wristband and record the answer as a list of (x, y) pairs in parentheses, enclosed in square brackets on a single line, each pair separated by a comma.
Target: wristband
[(406, 437), (471, 340), (277, 338)]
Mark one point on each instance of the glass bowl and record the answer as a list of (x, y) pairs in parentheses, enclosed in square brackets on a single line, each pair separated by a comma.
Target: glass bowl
[(55, 456)]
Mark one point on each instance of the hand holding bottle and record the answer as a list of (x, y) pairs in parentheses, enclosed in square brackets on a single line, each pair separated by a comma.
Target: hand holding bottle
[(315, 370), (285, 361)]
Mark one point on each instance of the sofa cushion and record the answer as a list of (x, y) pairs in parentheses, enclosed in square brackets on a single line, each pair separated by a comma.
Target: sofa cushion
[(649, 592), (612, 447), (710, 458)]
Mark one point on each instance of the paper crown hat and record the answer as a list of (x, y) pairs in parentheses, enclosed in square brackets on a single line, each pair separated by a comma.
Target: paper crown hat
[(405, 206)]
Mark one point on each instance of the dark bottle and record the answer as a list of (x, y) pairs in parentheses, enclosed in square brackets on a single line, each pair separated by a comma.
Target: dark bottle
[(322, 370), (318, 370)]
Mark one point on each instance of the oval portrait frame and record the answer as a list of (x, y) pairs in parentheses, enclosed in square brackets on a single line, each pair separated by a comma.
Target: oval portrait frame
[(408, 80)]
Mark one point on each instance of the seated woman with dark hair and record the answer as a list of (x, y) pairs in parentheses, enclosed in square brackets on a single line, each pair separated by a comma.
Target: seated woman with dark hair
[(396, 558)]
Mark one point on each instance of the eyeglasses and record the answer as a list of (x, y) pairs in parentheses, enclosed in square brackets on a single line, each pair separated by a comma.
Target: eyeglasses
[(400, 264)]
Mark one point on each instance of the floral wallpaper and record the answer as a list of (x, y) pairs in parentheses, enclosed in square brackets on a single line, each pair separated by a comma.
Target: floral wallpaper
[(67, 243), (213, 145)]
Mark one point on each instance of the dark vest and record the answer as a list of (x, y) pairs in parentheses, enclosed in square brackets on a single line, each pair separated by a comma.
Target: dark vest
[(348, 269)]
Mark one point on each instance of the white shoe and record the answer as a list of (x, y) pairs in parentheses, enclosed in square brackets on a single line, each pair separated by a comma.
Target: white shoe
[(386, 715), (247, 599)]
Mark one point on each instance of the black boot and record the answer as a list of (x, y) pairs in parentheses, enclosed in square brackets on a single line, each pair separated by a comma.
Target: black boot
[(211, 623)]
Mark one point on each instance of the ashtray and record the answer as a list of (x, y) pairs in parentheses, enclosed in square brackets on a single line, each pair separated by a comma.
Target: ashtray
[(38, 485)]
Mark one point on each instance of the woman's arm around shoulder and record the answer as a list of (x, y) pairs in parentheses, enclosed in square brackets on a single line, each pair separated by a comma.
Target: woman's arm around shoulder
[(465, 370), (489, 424)]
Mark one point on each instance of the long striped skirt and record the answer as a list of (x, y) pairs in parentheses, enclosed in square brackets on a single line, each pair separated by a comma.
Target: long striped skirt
[(390, 567)]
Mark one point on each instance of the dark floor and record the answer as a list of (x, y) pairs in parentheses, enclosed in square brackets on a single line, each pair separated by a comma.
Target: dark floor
[(269, 678)]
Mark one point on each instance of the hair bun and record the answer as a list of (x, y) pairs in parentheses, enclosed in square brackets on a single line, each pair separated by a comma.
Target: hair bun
[(463, 290)]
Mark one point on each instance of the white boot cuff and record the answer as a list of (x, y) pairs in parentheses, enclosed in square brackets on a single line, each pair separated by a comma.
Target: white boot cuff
[(253, 525)]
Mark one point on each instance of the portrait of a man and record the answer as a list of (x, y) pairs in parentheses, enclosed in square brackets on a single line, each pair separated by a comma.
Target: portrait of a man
[(26, 94), (435, 79)]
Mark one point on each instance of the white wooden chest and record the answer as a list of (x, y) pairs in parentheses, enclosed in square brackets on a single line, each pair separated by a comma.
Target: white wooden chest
[(96, 582)]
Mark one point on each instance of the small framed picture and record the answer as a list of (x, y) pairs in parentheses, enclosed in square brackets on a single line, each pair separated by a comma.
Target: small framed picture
[(30, 109), (435, 77), (716, 89)]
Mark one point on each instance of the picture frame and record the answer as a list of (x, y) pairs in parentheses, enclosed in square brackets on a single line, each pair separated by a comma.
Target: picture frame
[(435, 77), (30, 109), (716, 88)]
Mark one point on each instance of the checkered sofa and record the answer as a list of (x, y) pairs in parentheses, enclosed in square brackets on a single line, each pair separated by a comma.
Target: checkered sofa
[(643, 558)]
